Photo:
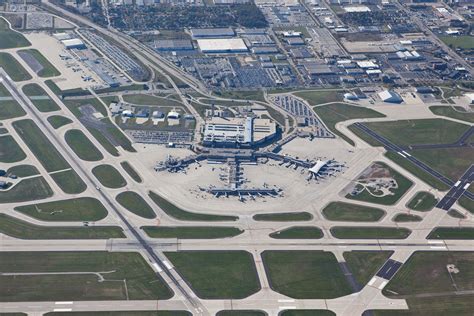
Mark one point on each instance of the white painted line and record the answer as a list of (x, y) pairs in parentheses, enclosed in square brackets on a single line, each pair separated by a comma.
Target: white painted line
[(466, 186), (64, 303), (342, 246), (406, 153), (401, 154), (372, 281), (167, 265), (287, 307), (157, 267), (435, 241), (457, 183), (286, 301), (438, 247), (62, 310), (381, 286)]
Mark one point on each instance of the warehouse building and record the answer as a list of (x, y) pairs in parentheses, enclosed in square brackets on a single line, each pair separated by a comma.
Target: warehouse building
[(212, 33), (222, 45), (74, 43)]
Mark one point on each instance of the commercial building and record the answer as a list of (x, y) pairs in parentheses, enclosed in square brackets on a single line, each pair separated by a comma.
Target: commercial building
[(232, 132), (222, 45)]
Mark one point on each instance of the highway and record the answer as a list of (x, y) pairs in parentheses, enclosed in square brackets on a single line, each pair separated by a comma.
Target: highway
[(84, 174), (457, 190)]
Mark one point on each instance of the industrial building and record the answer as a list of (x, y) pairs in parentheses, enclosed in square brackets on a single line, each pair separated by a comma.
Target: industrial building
[(231, 132), (73, 43), (222, 45)]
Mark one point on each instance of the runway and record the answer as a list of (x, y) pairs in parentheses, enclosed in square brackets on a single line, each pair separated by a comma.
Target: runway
[(457, 190)]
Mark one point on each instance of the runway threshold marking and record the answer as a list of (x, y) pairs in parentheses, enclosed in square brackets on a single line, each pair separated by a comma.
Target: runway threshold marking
[(372, 281), (382, 285), (287, 307)]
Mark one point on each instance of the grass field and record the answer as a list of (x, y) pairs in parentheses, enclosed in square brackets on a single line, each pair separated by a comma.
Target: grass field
[(178, 213), (459, 305), (341, 211), (9, 108), (462, 41), (402, 218), (424, 131), (32, 90), (422, 201), (452, 233), (298, 232), (319, 97), (335, 113), (460, 159), (191, 232), (131, 171), (145, 99), (365, 264), (242, 95), (455, 112), (69, 181), (456, 214), (283, 217), (10, 151), (419, 173), (347, 232), (48, 69), (22, 171), (135, 204), (127, 276), (241, 313), (41, 147), (217, 274), (403, 185), (82, 146), (11, 39), (109, 176), (23, 230), (13, 68), (466, 203), (426, 272), (307, 312), (78, 209), (58, 121), (305, 274), (27, 190)]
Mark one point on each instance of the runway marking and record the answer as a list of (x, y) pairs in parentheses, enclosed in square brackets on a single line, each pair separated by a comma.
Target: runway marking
[(372, 281), (406, 153), (167, 265), (438, 247), (287, 307), (398, 152), (157, 267), (435, 241), (62, 310), (381, 286), (286, 301), (457, 183), (466, 186), (64, 303)]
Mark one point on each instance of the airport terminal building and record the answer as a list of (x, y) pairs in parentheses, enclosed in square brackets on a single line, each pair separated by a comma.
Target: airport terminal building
[(238, 132)]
